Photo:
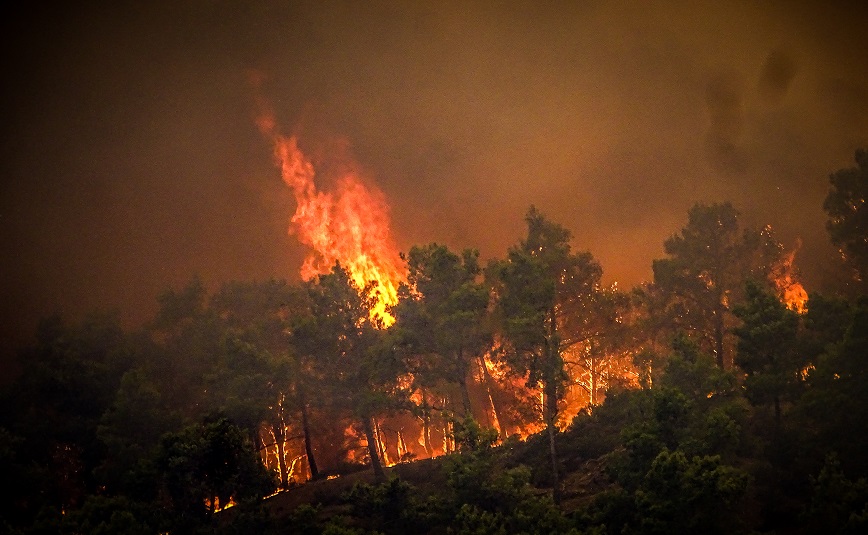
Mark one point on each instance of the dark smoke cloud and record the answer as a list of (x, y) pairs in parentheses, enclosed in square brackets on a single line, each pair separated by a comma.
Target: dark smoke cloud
[(777, 74), (725, 101), (131, 161)]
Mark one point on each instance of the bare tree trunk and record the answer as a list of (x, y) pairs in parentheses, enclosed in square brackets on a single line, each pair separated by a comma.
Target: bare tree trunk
[(490, 383), (280, 442), (550, 403), (462, 383), (308, 446), (551, 411), (379, 475), (426, 435), (426, 426), (718, 334), (592, 399), (260, 445), (381, 443)]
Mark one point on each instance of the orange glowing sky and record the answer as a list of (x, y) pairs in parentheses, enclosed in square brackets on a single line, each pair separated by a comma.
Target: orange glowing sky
[(131, 160)]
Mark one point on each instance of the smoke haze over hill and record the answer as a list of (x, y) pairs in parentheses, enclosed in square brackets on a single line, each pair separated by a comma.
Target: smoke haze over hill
[(131, 160)]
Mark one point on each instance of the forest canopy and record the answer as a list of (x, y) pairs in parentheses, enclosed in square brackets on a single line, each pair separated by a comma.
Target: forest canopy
[(719, 397)]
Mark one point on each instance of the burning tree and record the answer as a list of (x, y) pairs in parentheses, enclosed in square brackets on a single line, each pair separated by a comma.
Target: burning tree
[(538, 286), (704, 275), (442, 320), (349, 224), (258, 375), (601, 348), (210, 465), (357, 374)]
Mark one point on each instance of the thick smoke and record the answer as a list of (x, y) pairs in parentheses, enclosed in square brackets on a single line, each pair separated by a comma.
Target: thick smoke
[(131, 160), (725, 101), (777, 74)]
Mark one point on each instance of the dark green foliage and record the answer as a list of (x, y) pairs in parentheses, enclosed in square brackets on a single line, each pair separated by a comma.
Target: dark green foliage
[(848, 214), (114, 432), (534, 516), (442, 317), (542, 292), (210, 463), (52, 412), (838, 504), (768, 349), (677, 494), (111, 516), (681, 495), (471, 437), (706, 269), (479, 497), (670, 473), (389, 507), (835, 404)]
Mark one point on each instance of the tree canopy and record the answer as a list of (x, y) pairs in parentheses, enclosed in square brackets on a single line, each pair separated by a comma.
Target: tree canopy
[(699, 401), (848, 214)]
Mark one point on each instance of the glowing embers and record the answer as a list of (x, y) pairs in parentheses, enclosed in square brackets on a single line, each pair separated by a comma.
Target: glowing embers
[(218, 506)]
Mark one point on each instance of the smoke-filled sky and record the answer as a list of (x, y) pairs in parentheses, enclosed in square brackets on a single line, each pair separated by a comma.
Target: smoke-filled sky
[(131, 160)]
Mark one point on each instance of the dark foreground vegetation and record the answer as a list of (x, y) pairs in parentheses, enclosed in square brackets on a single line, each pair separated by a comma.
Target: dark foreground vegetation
[(712, 401)]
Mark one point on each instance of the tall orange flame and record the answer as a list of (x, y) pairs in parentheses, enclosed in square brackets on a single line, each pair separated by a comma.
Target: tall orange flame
[(349, 225), (791, 291)]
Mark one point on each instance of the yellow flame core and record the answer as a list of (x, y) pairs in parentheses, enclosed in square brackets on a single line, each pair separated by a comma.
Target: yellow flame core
[(349, 225), (790, 290)]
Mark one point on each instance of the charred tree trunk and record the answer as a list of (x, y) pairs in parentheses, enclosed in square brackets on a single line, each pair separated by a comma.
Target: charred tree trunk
[(592, 397), (551, 411), (551, 376), (426, 425), (308, 446), (379, 475), (260, 445), (490, 384), (462, 383), (718, 332), (381, 443), (465, 396)]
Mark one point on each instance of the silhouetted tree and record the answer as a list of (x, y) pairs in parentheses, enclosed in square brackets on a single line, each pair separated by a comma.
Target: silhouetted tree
[(836, 398), (68, 380), (848, 214), (539, 283), (768, 348), (441, 317), (258, 377), (703, 277), (206, 465), (358, 373)]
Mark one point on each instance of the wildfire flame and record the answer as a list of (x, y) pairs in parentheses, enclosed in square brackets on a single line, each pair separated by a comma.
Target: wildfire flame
[(349, 225), (791, 291)]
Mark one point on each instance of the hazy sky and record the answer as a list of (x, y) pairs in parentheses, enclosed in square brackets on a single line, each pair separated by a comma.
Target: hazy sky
[(131, 161)]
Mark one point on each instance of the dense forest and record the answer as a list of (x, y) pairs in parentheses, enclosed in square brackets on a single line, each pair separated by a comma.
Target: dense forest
[(518, 396)]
